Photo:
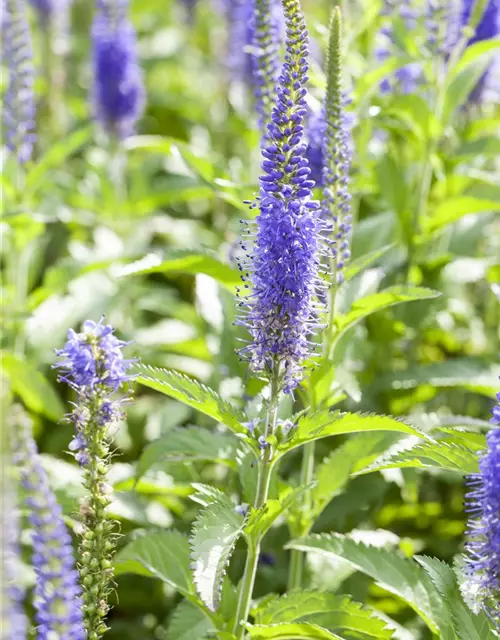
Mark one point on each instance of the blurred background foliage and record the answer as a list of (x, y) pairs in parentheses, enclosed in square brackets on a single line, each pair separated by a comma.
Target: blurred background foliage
[(146, 235)]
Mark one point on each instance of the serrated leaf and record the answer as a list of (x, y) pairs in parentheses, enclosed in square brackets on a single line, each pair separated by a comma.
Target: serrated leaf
[(261, 520), (189, 444), (336, 613), (466, 625), (188, 622), (454, 209), (214, 536), (324, 424), (185, 261), (334, 472), (468, 373), (193, 394), (32, 387), (397, 574), (290, 631), (429, 455), (382, 300), (163, 555)]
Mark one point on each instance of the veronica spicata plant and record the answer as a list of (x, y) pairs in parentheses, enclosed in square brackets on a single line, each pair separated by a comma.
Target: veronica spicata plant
[(93, 365)]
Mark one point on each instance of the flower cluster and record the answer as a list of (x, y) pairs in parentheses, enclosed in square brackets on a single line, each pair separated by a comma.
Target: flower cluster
[(483, 545), (93, 364), (337, 156), (117, 92), (19, 102), (13, 618), (57, 597), (282, 267)]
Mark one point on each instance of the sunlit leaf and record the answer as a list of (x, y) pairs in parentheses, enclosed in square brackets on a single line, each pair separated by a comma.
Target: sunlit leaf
[(290, 631)]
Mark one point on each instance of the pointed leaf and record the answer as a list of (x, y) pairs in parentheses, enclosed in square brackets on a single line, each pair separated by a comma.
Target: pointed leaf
[(323, 424), (430, 455), (335, 612), (188, 622), (467, 626), (185, 261), (188, 444), (193, 394), (214, 536), (453, 209), (397, 574), (290, 631), (261, 520), (382, 300), (163, 555), (364, 261)]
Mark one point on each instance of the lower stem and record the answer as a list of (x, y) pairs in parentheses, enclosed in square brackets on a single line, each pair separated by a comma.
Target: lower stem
[(261, 495)]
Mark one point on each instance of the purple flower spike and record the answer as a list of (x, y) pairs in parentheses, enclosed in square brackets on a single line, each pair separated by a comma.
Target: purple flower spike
[(282, 264), (117, 91), (46, 9), (483, 544), (57, 597), (19, 103)]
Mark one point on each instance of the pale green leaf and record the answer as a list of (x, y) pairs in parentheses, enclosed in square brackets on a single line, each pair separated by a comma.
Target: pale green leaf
[(188, 444), (453, 209), (397, 574), (360, 264), (455, 614), (261, 520), (324, 424), (193, 394), (290, 631), (189, 622), (336, 613), (430, 455), (163, 555), (215, 533), (185, 261), (32, 387), (382, 300)]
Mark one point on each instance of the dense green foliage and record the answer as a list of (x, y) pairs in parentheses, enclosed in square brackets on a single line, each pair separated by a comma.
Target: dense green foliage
[(145, 234)]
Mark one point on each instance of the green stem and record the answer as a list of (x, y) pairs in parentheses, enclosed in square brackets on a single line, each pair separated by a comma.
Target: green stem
[(263, 482)]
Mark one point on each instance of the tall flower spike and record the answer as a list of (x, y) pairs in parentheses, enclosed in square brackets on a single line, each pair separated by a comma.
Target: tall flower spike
[(483, 544), (282, 265), (265, 59), (93, 364), (336, 202), (19, 102), (488, 27), (57, 596), (13, 620), (47, 8), (117, 90)]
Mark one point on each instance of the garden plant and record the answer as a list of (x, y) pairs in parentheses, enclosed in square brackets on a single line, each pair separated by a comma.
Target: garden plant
[(251, 319)]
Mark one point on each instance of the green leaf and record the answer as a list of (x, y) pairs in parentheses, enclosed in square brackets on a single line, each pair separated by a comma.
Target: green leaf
[(453, 209), (465, 76), (334, 472), (56, 155), (323, 424), (393, 572), (430, 455), (290, 631), (336, 613), (188, 622), (32, 387), (469, 373), (185, 261), (193, 394), (215, 533), (382, 300), (261, 520), (163, 555), (466, 625), (189, 444), (364, 261)]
